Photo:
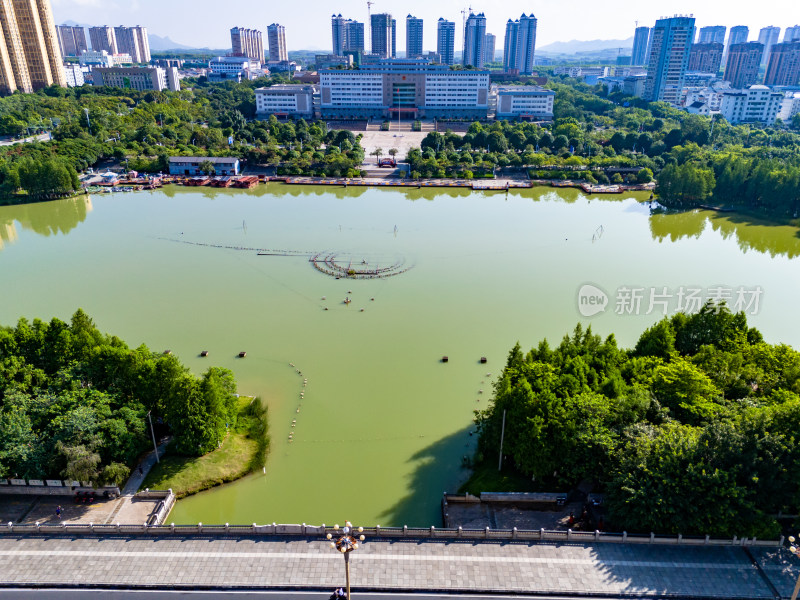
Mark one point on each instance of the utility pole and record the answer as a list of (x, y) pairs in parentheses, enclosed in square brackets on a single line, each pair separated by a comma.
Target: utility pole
[(502, 436), (155, 446)]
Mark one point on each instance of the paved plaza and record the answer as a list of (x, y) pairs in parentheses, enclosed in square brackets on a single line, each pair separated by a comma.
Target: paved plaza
[(256, 562)]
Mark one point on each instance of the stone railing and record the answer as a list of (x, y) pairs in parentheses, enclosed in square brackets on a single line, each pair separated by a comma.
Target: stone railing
[(377, 532)]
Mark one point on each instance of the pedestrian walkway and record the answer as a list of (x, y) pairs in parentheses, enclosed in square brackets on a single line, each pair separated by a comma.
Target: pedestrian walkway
[(429, 565), (136, 479)]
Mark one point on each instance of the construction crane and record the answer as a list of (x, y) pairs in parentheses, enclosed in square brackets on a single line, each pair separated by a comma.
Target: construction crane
[(369, 25)]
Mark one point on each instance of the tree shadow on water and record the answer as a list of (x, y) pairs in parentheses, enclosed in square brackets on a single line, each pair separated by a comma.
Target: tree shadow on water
[(440, 470)]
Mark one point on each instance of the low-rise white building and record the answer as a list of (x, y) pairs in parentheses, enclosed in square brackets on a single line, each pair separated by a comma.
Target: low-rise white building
[(711, 97), (756, 104), (286, 100), (102, 58), (525, 102), (568, 71), (74, 75), (136, 78), (233, 68), (790, 106)]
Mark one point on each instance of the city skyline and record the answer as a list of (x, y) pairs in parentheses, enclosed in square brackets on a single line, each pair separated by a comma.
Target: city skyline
[(311, 29)]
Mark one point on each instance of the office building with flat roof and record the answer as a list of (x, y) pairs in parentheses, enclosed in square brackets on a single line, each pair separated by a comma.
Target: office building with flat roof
[(413, 37), (30, 56), (248, 43), (705, 57), (406, 88), (741, 67), (784, 65), (103, 38), (446, 40), (292, 100), (135, 78), (527, 102), (669, 59), (276, 35), (791, 34), (71, 40), (641, 37)]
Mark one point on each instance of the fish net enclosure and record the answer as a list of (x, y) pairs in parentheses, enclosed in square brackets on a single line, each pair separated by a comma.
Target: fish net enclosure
[(341, 267)]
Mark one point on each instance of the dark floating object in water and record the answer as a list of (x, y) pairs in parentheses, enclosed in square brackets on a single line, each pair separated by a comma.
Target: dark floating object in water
[(242, 354), (483, 359), (204, 353), (445, 359)]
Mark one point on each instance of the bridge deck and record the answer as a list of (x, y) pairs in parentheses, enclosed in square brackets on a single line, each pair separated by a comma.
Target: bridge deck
[(257, 562)]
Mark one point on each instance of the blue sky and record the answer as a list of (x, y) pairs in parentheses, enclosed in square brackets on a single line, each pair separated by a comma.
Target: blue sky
[(207, 22)]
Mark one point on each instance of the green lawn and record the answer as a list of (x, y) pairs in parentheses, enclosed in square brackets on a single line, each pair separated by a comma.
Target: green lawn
[(486, 478), (242, 451)]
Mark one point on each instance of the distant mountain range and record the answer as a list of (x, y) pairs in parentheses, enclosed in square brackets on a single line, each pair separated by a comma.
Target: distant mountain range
[(578, 46)]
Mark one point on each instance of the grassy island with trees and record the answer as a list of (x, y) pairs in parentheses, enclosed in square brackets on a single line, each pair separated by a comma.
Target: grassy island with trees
[(693, 431), (74, 405)]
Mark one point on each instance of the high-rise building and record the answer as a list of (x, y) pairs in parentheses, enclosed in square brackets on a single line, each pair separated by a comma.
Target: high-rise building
[(784, 64), (276, 35), (71, 40), (705, 57), (791, 34), (248, 43), (738, 35), (394, 38), (103, 38), (144, 42), (490, 47), (413, 37), (348, 35), (668, 60), (714, 33), (339, 34), (741, 68), (381, 35), (641, 37), (30, 57), (520, 45), (510, 46), (474, 37), (130, 41), (768, 36), (446, 41)]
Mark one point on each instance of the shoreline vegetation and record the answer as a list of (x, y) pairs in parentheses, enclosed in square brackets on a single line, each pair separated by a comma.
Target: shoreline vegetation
[(74, 403), (243, 451), (691, 431), (596, 137)]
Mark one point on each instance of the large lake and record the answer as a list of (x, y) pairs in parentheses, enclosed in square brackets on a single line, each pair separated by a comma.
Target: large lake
[(383, 424)]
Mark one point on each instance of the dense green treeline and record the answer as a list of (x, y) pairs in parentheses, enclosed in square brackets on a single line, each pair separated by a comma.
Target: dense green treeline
[(144, 129), (692, 431), (73, 402)]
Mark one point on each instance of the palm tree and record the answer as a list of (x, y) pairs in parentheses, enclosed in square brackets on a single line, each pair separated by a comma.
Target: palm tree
[(377, 153), (393, 152)]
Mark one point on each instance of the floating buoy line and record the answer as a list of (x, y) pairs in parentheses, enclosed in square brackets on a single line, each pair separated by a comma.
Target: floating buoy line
[(332, 264)]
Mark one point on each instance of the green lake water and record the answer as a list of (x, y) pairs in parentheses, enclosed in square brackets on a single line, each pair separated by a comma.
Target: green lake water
[(384, 424)]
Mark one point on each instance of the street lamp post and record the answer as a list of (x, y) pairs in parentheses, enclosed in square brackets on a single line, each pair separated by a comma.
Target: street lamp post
[(345, 542)]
